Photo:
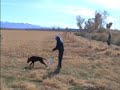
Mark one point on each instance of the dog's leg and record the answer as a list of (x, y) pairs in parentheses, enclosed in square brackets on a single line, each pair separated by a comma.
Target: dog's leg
[(44, 63), (32, 64)]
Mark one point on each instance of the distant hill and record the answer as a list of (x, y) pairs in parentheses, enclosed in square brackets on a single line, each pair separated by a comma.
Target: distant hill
[(18, 25), (27, 26)]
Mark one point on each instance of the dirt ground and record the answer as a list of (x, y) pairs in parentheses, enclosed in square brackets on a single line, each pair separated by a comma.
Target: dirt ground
[(87, 64)]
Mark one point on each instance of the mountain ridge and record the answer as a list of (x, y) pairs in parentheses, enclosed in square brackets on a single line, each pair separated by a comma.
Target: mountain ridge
[(18, 25)]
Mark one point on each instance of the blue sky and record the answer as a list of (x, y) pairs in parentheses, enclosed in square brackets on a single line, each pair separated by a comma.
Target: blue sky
[(58, 12)]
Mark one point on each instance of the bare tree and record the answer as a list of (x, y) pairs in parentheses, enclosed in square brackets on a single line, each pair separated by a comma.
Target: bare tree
[(80, 21), (89, 25), (97, 22), (100, 19)]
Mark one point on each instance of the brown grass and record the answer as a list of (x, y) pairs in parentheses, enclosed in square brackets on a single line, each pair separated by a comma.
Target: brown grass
[(87, 64), (24, 85)]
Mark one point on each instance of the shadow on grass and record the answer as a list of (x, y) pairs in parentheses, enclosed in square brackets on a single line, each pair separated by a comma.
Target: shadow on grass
[(30, 68), (52, 74), (76, 88), (37, 81)]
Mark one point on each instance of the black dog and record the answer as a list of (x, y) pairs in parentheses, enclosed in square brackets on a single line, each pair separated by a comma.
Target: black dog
[(34, 59)]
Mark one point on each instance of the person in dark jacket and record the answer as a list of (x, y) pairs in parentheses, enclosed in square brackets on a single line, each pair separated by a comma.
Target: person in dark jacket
[(60, 48), (109, 39)]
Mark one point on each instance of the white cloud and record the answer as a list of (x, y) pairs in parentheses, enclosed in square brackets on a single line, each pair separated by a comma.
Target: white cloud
[(111, 19), (110, 4), (75, 10), (68, 9)]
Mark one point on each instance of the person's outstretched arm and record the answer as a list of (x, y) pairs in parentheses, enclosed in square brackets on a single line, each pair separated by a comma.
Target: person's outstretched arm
[(57, 46)]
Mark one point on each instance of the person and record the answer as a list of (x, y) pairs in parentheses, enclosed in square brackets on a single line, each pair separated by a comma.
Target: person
[(60, 48), (109, 39)]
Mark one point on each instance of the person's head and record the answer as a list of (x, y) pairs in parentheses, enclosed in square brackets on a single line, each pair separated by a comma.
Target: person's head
[(58, 38)]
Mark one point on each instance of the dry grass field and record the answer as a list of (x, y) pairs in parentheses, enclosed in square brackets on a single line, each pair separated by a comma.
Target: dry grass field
[(87, 64)]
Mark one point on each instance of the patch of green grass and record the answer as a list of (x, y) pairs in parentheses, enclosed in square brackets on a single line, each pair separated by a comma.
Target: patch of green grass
[(9, 79)]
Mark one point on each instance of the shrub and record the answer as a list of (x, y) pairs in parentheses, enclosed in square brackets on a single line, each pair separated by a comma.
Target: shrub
[(102, 35)]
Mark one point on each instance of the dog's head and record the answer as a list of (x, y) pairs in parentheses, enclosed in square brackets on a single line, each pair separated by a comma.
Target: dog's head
[(28, 60)]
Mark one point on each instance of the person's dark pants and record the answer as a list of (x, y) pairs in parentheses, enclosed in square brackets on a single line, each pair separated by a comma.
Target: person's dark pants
[(109, 42), (60, 57)]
